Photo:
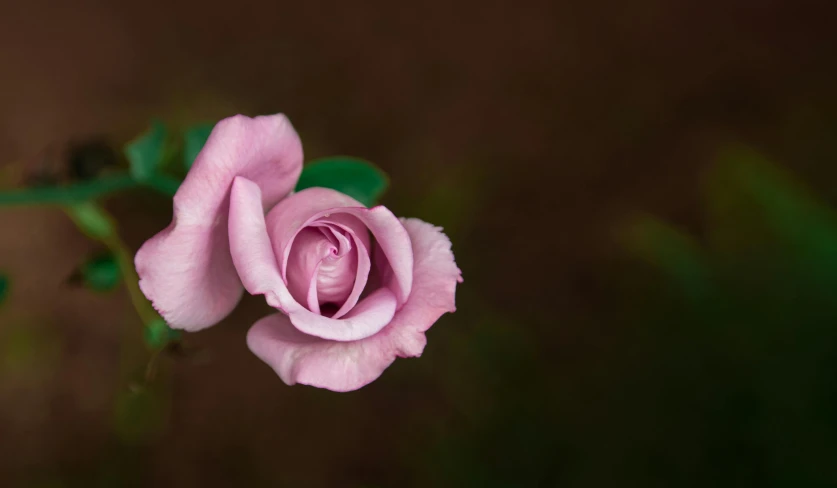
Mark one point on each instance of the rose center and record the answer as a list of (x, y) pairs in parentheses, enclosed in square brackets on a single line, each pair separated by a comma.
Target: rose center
[(322, 268), (336, 273)]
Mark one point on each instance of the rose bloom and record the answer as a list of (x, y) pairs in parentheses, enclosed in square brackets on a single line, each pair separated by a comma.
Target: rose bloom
[(355, 287)]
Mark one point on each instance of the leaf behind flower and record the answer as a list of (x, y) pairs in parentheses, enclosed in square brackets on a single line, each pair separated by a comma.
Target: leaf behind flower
[(355, 177)]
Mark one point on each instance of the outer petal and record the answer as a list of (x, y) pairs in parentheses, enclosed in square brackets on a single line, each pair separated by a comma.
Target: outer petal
[(345, 366), (265, 150), (434, 288), (300, 358), (186, 270), (257, 267)]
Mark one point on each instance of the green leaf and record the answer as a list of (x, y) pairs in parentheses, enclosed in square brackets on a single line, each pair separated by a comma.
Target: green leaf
[(194, 140), (165, 184), (145, 154), (158, 334), (755, 204), (77, 192), (92, 220), (4, 287), (357, 178), (101, 273)]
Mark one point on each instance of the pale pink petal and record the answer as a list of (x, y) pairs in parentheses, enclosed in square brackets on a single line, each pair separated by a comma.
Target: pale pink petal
[(348, 223), (187, 274), (311, 296), (310, 247), (300, 358), (186, 270), (301, 209), (366, 319), (362, 268), (250, 246), (328, 233), (344, 366), (297, 211), (394, 240), (266, 150), (434, 288), (338, 239), (336, 275)]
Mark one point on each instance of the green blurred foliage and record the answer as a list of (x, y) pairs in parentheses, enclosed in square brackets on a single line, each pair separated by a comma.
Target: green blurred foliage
[(158, 334), (4, 287), (193, 141), (670, 250), (357, 178), (754, 202), (140, 414), (717, 369), (145, 154), (148, 157), (92, 220), (99, 273), (741, 378), (506, 423)]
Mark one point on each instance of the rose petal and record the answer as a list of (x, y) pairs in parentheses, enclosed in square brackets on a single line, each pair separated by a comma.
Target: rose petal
[(434, 288), (297, 211), (394, 240), (349, 224), (300, 358), (336, 275), (331, 235), (347, 366), (334, 235), (259, 272), (325, 267), (366, 319), (186, 270), (310, 248), (250, 247), (300, 209), (187, 274), (362, 268)]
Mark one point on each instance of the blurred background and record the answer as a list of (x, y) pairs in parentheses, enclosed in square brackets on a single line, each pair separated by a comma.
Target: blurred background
[(639, 195)]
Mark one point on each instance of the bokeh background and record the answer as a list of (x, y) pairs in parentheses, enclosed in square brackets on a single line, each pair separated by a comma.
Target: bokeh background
[(639, 195)]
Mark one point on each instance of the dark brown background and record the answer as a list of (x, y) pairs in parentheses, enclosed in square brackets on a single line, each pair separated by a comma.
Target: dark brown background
[(526, 129)]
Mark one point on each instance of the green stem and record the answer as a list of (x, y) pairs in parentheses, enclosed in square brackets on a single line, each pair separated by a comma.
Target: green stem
[(78, 201), (129, 276), (98, 224), (164, 184), (86, 190), (62, 195)]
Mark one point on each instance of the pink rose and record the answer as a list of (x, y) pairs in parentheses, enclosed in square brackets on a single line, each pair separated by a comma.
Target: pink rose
[(357, 287)]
